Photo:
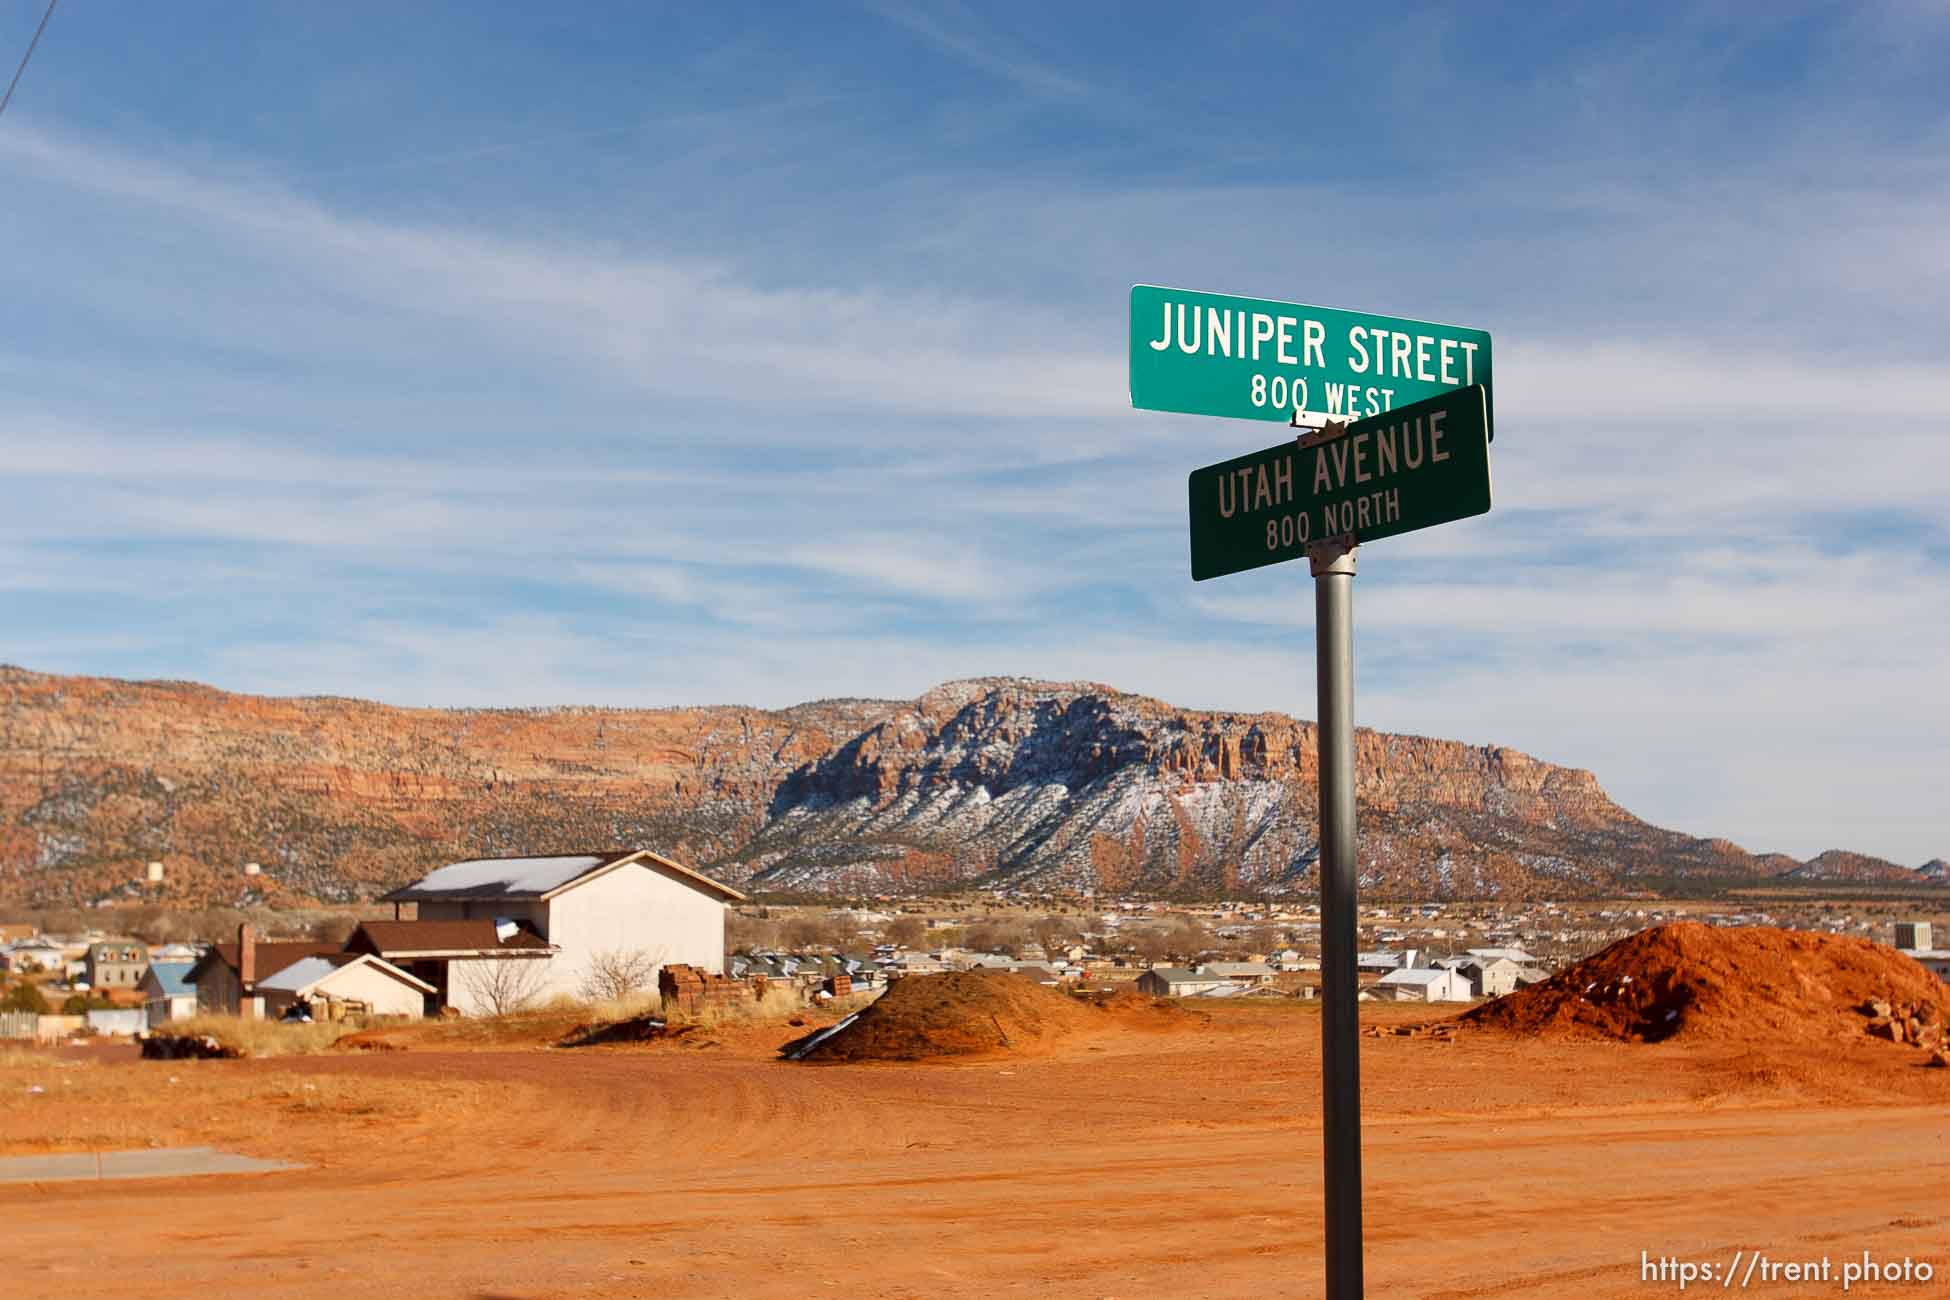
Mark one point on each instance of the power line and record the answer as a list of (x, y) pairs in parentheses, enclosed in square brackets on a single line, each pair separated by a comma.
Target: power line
[(8, 98)]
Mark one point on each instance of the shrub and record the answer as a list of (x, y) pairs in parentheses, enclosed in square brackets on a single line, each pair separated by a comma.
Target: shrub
[(25, 996)]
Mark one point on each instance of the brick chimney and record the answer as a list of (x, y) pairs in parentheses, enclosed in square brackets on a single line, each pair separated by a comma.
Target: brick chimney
[(246, 957)]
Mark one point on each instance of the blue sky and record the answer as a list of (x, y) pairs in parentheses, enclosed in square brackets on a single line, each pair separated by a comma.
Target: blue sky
[(633, 354)]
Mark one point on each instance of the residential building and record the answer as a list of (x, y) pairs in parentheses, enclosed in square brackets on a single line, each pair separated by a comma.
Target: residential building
[(33, 955), (1934, 960), (1516, 956), (226, 976), (587, 907), (1432, 984), (1177, 982), (1913, 936), (1247, 973), (431, 952), (167, 993), (1489, 977), (359, 983), (116, 964)]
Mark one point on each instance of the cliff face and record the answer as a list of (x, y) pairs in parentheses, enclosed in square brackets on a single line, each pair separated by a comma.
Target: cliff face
[(995, 780)]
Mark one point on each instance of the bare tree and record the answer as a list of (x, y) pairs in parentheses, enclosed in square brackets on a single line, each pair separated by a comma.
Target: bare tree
[(1151, 944), (744, 933), (619, 972), (336, 928), (504, 985), (1188, 939), (1055, 934), (1006, 937), (907, 931), (808, 932)]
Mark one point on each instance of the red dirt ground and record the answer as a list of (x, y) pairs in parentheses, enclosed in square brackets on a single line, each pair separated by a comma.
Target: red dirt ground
[(1113, 1165), (1695, 981)]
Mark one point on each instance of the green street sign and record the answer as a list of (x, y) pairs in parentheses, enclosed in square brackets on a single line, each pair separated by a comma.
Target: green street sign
[(1254, 359), (1419, 465)]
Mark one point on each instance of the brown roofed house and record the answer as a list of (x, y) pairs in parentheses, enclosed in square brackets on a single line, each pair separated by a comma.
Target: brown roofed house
[(550, 925), (226, 977), (439, 951)]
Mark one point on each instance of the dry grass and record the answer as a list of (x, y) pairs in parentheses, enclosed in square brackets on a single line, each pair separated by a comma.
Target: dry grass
[(13, 1057), (530, 1027), (258, 1038)]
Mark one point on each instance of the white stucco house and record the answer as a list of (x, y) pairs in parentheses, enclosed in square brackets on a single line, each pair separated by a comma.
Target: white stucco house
[(1489, 977), (491, 931), (373, 985), (1435, 984)]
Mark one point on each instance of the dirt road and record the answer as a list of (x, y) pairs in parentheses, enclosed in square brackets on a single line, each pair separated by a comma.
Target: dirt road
[(1181, 1164)]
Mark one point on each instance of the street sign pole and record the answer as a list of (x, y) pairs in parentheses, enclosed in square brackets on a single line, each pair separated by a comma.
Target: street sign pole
[(1404, 445), (1340, 1053)]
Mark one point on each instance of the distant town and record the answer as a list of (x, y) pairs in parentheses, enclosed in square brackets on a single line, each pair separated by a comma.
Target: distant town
[(488, 937)]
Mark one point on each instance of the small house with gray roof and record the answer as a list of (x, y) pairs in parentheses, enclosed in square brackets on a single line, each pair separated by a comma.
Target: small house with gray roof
[(359, 983), (167, 993)]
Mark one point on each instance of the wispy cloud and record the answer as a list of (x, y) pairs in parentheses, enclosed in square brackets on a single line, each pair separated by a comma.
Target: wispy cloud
[(955, 30)]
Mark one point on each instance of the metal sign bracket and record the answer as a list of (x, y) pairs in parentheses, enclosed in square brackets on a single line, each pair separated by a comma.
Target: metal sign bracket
[(1325, 433)]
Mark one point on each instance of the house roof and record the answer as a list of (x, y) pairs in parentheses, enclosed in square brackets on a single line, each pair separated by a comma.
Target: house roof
[(441, 938), (172, 978), (1179, 975), (1428, 976), (1238, 968), (301, 977), (541, 877), (123, 950), (271, 957), (1517, 955)]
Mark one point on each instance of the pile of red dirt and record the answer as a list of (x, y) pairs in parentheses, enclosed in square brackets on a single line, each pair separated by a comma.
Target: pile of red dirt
[(971, 1013), (1703, 981)]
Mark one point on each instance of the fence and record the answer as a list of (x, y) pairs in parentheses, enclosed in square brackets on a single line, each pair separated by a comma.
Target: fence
[(18, 1024)]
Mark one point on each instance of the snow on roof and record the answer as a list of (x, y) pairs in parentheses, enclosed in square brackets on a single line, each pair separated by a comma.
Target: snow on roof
[(1414, 976), (504, 875)]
